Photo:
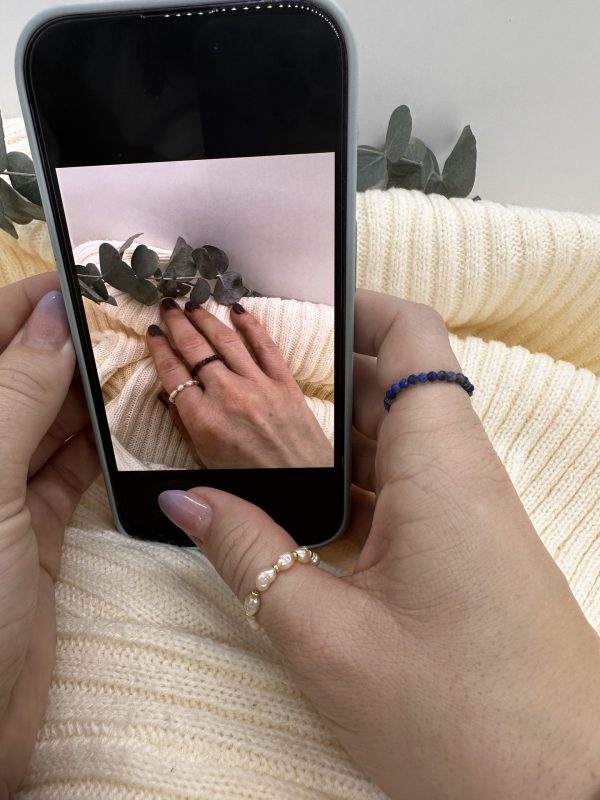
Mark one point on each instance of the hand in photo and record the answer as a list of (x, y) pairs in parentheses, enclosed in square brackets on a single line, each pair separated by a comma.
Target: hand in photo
[(244, 410)]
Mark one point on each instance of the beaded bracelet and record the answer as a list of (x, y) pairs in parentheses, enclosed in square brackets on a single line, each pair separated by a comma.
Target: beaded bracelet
[(424, 377)]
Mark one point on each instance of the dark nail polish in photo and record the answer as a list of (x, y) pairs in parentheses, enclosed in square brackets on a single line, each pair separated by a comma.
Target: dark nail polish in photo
[(168, 303), (154, 330), (238, 309), (191, 306)]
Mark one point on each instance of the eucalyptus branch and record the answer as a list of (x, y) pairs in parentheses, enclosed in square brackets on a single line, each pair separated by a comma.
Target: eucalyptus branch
[(202, 272), (406, 162)]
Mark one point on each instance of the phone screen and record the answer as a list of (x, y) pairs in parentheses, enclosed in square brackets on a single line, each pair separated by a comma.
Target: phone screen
[(195, 160)]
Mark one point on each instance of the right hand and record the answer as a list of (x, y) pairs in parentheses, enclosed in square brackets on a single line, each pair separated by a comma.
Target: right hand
[(248, 410), (455, 663)]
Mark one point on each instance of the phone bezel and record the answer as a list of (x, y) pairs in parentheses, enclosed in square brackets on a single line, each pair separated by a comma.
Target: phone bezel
[(331, 9)]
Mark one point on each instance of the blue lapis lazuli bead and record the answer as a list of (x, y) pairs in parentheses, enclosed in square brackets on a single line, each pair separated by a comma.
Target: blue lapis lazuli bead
[(451, 376), (422, 376), (403, 383), (412, 379), (432, 376), (395, 388)]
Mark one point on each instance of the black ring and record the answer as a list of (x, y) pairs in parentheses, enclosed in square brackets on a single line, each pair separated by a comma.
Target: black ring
[(197, 367)]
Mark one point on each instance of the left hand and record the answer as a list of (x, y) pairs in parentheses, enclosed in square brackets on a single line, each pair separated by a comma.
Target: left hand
[(48, 459)]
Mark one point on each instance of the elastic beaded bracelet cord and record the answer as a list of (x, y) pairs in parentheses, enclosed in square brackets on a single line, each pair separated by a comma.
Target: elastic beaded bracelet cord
[(301, 555), (425, 377)]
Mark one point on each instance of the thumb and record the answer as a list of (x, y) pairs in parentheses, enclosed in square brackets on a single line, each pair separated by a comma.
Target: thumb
[(242, 542), (35, 374)]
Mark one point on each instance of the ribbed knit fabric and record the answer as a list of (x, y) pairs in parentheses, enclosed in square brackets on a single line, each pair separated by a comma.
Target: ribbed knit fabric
[(143, 434), (160, 689)]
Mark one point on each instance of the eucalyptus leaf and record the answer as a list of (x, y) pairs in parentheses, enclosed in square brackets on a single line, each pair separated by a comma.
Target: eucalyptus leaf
[(17, 208), (204, 263), (458, 174), (218, 259), (398, 134), (3, 161), (25, 185), (173, 288), (144, 262), (90, 275), (200, 292), (370, 167), (406, 175), (145, 292), (91, 293), (253, 293), (436, 185), (128, 243), (6, 224), (181, 264), (229, 288), (115, 271)]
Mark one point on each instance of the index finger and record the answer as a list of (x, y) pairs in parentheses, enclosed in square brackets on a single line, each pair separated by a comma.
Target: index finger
[(18, 301)]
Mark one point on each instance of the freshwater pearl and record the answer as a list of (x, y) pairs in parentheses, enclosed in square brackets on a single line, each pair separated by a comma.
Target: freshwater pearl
[(303, 554), (315, 558), (251, 604), (265, 578), (285, 561)]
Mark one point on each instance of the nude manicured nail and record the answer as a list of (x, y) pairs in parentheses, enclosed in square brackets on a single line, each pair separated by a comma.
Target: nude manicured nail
[(186, 511), (47, 327)]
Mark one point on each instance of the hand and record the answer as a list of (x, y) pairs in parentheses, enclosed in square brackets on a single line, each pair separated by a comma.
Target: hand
[(455, 663), (48, 459), (248, 410)]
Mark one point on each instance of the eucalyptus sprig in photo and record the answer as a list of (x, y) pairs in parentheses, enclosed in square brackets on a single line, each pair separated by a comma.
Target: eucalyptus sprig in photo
[(20, 200)]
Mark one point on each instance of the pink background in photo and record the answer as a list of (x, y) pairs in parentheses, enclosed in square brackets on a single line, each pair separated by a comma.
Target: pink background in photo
[(273, 215)]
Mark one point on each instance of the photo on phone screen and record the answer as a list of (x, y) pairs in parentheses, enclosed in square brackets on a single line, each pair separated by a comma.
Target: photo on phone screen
[(256, 232)]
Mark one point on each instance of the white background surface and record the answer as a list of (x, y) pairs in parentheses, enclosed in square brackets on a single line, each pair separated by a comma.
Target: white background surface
[(273, 216), (524, 73)]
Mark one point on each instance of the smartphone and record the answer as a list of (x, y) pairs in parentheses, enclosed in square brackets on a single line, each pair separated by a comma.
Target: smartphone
[(226, 135)]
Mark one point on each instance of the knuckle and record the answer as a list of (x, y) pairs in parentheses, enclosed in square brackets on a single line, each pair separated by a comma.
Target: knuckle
[(170, 367), (227, 338), (188, 341)]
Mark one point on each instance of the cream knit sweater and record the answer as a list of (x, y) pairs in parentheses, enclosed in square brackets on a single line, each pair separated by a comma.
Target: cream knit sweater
[(160, 689)]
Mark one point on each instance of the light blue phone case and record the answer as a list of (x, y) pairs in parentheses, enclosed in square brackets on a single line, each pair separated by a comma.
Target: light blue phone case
[(327, 7)]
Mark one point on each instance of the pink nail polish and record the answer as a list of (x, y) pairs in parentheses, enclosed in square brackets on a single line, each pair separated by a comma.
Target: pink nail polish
[(47, 327), (186, 511)]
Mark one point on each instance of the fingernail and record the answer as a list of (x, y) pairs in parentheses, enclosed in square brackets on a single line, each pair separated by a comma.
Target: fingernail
[(238, 309), (47, 327), (168, 303), (154, 330), (186, 511), (191, 306), (164, 399)]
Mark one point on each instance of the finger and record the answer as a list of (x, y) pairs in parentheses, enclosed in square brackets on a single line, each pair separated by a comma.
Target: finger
[(363, 461), (224, 340), (267, 354), (240, 541), (55, 491), (72, 418), (367, 396), (18, 301), (172, 372), (35, 374), (190, 343), (171, 408)]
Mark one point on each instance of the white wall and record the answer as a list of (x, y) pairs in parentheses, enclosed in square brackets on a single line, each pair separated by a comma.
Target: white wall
[(524, 73)]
